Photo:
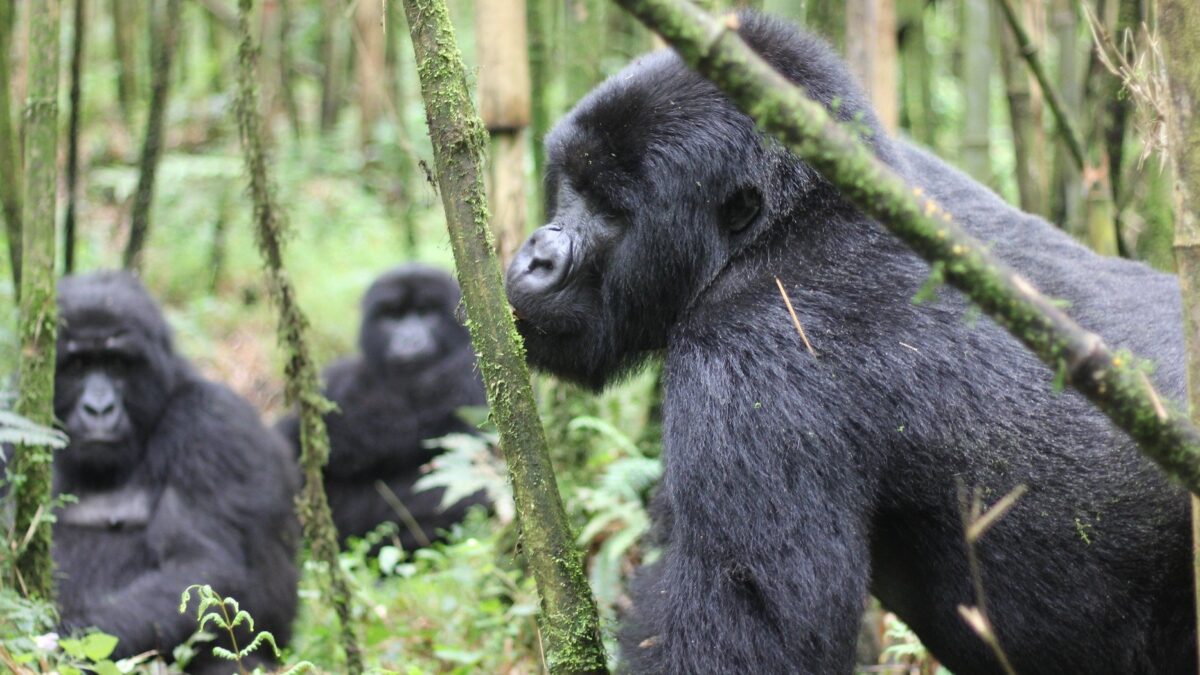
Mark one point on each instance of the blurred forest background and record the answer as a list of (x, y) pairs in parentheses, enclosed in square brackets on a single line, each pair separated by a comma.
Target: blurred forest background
[(351, 158)]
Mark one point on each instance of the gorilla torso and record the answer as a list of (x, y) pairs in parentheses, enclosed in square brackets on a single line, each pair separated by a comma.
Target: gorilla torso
[(175, 479), (415, 370), (796, 481)]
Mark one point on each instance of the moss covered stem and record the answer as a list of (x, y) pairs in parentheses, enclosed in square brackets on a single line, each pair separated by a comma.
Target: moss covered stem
[(568, 621)]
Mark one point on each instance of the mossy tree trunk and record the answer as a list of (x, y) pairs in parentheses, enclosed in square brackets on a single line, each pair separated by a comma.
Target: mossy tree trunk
[(301, 382), (1116, 384), (10, 162), (504, 105), (568, 621), (38, 323), (165, 35), (1181, 48), (80, 33)]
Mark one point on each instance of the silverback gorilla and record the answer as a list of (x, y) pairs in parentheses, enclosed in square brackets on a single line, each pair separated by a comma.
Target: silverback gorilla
[(178, 481), (415, 371), (795, 484)]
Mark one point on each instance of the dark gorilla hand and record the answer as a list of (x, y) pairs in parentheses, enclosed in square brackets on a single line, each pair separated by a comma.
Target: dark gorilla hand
[(415, 370), (795, 483), (177, 480)]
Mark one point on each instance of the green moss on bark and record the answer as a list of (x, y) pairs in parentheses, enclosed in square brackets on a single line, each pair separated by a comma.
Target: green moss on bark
[(569, 622), (10, 190), (38, 323), (302, 385)]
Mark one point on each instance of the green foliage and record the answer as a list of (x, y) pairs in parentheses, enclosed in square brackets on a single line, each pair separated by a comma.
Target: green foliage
[(224, 615), (20, 430), (29, 644), (469, 464), (905, 653), (616, 514), (462, 606)]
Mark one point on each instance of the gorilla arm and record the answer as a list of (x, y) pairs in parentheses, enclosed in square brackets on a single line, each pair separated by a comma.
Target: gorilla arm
[(764, 567), (191, 548)]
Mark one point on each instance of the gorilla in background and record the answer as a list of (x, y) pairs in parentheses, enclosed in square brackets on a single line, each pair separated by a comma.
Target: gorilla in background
[(178, 482), (415, 370), (795, 484)]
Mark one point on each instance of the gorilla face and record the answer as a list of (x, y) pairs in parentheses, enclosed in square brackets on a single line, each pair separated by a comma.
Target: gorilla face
[(115, 371), (640, 197), (409, 319)]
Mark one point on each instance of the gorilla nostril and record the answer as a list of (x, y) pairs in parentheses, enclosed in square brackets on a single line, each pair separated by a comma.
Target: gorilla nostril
[(541, 263), (99, 410)]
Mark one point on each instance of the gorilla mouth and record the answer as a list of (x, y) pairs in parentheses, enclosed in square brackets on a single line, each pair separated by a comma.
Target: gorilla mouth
[(103, 440)]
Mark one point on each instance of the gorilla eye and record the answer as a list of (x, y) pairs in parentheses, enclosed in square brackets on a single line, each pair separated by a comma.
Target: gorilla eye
[(740, 210)]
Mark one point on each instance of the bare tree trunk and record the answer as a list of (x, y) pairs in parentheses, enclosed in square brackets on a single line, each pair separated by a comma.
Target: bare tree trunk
[(1181, 49), (80, 29), (123, 45), (583, 33), (333, 59), (568, 622), (539, 20), (371, 66), (166, 28), (917, 109), (504, 105), (871, 51), (10, 161), (977, 89), (303, 386), (38, 323), (1066, 207), (287, 91), (1025, 115)]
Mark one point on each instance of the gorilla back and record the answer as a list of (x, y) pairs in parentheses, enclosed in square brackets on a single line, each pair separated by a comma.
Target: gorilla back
[(177, 480), (795, 483)]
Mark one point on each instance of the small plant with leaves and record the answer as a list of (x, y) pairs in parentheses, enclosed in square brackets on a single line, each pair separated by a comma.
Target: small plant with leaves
[(224, 616), (28, 643)]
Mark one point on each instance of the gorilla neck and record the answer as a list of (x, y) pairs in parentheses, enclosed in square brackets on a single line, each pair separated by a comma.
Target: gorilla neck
[(89, 468)]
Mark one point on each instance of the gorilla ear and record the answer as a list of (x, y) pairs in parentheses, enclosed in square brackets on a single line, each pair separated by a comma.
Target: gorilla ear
[(740, 209)]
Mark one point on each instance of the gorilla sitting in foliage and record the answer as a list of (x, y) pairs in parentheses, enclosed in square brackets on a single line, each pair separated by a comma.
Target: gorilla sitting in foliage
[(177, 482), (795, 483), (416, 369)]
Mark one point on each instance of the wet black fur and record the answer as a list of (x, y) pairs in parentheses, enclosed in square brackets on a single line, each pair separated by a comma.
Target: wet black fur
[(795, 485)]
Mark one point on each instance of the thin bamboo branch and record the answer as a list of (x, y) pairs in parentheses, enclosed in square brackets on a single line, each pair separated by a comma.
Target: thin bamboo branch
[(1029, 52)]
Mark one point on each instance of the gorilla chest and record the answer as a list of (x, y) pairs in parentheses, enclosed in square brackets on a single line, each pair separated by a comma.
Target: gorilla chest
[(101, 541)]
